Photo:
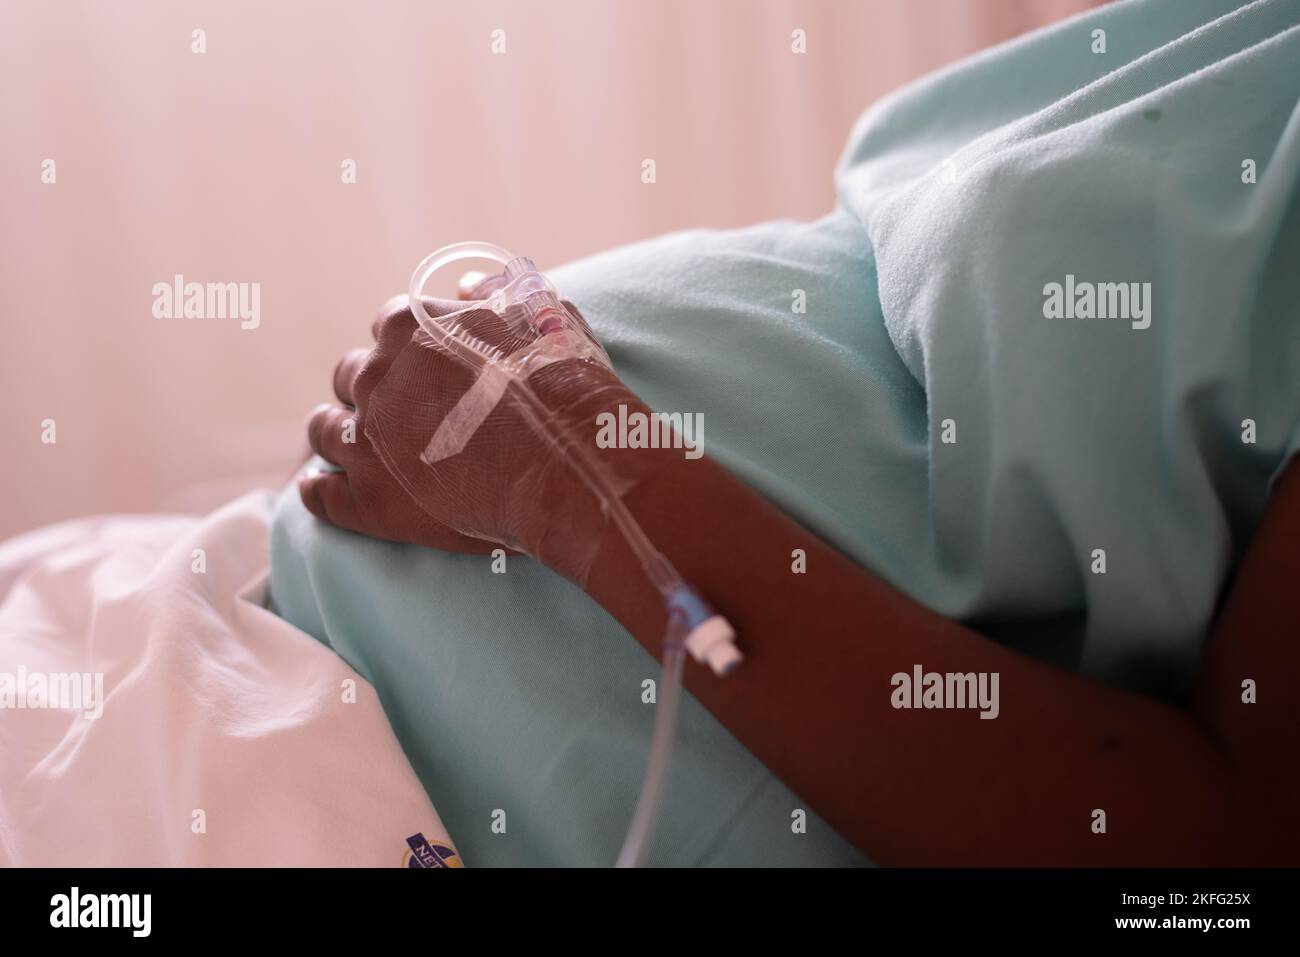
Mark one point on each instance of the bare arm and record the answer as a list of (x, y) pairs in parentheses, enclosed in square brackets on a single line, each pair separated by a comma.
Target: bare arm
[(1212, 785)]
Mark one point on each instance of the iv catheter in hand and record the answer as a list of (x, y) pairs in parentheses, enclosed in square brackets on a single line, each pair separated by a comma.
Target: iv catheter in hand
[(532, 329)]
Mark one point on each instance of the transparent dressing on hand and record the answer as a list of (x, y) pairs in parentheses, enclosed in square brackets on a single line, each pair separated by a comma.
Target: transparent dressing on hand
[(520, 328)]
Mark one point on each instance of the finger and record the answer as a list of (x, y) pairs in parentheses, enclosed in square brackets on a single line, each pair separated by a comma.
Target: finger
[(396, 321), (328, 496), (393, 331), (468, 283), (395, 312), (333, 434), (475, 285), (345, 374)]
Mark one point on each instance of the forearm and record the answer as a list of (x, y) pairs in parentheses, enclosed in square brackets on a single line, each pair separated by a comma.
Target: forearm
[(812, 700)]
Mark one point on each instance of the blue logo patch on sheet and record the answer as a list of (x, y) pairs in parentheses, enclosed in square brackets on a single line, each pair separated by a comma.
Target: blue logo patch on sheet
[(422, 852)]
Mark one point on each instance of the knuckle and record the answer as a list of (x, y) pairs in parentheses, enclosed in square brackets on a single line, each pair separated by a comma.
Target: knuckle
[(341, 375), (394, 316), (345, 373), (367, 376), (315, 423), (309, 491)]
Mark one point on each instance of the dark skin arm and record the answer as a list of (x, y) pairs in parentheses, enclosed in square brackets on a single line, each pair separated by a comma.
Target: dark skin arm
[(1213, 784)]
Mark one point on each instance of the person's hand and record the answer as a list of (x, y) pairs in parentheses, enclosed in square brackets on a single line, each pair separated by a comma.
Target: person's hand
[(508, 486)]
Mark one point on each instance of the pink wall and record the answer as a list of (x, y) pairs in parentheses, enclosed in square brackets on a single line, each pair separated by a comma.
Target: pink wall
[(226, 166)]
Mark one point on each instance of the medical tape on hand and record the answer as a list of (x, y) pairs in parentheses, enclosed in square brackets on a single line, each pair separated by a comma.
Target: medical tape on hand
[(467, 415), (460, 424)]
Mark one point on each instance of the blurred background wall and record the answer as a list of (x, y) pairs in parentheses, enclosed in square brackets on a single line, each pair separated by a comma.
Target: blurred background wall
[(226, 166)]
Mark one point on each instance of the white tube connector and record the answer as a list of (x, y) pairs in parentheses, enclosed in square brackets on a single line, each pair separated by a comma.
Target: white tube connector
[(713, 642)]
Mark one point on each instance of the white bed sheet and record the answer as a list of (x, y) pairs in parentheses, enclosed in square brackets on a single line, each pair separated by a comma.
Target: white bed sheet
[(225, 736)]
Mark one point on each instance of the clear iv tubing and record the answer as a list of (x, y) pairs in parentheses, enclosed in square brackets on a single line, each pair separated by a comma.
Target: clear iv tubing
[(657, 568)]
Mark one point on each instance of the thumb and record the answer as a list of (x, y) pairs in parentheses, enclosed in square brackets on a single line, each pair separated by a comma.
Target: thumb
[(477, 285)]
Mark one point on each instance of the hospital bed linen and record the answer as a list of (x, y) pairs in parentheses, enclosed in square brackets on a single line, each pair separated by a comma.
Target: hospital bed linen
[(225, 736)]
